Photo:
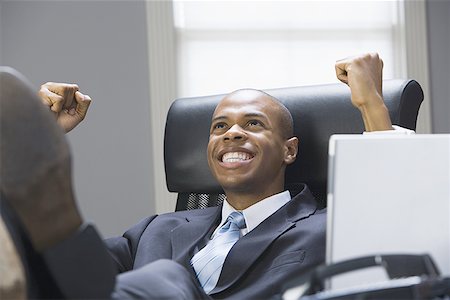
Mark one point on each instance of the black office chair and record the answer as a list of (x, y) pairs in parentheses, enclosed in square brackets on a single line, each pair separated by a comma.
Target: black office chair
[(318, 111)]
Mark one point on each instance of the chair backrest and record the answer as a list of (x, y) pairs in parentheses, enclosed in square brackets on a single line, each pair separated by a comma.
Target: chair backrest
[(318, 111)]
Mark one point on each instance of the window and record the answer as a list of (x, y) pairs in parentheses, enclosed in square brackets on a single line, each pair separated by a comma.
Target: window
[(226, 45)]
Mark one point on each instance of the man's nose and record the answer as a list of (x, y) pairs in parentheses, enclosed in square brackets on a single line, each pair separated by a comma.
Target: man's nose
[(235, 133)]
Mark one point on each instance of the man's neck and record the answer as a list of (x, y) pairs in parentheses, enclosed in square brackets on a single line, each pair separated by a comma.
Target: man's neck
[(241, 200)]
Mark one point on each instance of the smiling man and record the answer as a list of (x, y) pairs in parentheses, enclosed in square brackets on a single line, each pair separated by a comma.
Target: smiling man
[(262, 236), (251, 142)]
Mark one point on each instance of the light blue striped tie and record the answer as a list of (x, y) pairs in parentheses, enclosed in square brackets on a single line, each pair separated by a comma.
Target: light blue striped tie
[(208, 262)]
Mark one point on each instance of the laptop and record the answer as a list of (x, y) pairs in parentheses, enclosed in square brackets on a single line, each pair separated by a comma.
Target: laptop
[(387, 194)]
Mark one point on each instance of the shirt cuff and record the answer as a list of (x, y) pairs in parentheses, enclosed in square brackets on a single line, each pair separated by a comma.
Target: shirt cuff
[(396, 130)]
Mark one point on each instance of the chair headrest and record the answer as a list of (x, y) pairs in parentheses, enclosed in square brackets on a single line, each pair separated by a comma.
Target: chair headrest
[(318, 112)]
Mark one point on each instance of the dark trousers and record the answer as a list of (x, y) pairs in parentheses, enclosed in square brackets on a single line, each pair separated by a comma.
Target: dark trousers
[(162, 279)]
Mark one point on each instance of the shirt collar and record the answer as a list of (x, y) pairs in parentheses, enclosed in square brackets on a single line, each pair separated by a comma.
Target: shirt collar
[(258, 212)]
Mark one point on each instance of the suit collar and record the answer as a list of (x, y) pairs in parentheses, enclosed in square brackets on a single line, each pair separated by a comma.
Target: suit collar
[(256, 242), (302, 204), (188, 235)]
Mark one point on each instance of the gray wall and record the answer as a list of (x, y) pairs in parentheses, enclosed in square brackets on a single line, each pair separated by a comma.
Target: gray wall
[(438, 19), (102, 46)]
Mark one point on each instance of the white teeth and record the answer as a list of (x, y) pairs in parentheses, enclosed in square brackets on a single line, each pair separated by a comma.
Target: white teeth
[(235, 156)]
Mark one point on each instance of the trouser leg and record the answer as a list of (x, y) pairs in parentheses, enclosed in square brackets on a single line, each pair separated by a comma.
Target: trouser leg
[(162, 279)]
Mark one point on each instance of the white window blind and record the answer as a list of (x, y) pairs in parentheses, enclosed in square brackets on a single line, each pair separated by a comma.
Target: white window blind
[(227, 45)]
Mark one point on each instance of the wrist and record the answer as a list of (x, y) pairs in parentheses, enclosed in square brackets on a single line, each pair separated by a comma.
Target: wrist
[(369, 101), (376, 116)]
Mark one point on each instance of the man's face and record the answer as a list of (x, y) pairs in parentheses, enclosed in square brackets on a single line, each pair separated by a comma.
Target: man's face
[(247, 152)]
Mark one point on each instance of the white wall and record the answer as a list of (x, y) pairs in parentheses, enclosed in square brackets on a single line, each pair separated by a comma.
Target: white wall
[(102, 46)]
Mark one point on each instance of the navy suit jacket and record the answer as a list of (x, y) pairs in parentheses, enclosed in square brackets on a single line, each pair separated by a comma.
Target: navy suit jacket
[(285, 245)]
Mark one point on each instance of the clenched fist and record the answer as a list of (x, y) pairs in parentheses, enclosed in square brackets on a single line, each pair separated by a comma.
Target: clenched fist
[(65, 100), (364, 75)]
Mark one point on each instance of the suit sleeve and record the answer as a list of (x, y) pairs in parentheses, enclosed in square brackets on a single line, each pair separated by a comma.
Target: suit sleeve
[(123, 248)]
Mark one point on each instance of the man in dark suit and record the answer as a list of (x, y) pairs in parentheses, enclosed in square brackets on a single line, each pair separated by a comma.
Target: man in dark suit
[(250, 145)]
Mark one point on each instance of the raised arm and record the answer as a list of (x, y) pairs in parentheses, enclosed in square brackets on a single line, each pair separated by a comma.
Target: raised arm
[(364, 75), (65, 100)]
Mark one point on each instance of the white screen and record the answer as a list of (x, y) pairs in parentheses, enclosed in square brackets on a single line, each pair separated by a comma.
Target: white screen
[(388, 195)]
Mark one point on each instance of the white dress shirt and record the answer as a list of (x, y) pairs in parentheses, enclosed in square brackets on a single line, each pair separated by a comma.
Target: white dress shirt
[(256, 213)]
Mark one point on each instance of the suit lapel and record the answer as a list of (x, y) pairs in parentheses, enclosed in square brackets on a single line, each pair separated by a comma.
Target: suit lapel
[(250, 247), (187, 236)]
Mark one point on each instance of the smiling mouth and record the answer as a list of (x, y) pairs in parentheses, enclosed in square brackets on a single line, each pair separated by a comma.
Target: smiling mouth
[(231, 157)]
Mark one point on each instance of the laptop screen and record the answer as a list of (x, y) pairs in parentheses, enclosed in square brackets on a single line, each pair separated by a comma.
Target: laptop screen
[(388, 194)]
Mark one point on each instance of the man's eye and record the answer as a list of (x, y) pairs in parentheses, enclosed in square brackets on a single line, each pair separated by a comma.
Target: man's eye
[(219, 126), (254, 123)]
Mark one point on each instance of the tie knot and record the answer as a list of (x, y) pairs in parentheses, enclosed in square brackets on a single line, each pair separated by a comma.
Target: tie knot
[(237, 218)]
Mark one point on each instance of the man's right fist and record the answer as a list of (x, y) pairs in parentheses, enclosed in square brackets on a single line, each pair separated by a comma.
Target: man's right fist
[(67, 103)]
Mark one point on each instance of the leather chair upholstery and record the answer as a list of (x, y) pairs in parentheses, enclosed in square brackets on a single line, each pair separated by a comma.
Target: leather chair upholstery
[(318, 111)]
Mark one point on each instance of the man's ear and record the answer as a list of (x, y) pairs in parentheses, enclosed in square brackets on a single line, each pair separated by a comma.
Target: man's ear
[(291, 150)]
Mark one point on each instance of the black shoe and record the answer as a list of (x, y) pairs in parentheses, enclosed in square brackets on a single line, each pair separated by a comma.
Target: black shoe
[(35, 173)]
